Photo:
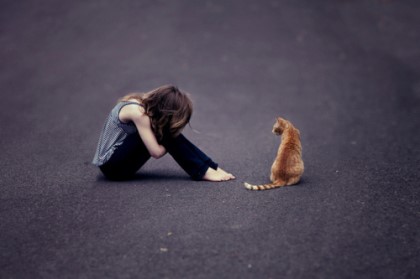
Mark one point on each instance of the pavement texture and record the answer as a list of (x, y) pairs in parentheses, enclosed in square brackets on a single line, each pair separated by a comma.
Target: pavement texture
[(346, 73)]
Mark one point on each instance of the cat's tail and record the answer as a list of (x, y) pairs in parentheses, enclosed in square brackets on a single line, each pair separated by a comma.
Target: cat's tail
[(263, 186)]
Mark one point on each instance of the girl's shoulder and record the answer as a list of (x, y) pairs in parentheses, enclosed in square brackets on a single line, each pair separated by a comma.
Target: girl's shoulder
[(133, 101), (130, 110)]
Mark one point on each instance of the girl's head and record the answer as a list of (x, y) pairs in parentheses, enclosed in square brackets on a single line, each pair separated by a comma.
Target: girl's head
[(169, 110)]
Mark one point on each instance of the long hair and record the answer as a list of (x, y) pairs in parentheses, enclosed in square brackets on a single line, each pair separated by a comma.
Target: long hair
[(168, 108)]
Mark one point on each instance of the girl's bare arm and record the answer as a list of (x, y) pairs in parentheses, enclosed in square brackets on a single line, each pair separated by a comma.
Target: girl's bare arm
[(142, 121)]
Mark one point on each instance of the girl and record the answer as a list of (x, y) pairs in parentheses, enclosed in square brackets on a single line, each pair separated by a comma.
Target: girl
[(148, 125)]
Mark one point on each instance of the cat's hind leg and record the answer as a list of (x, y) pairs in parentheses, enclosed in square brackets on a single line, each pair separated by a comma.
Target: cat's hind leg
[(293, 180)]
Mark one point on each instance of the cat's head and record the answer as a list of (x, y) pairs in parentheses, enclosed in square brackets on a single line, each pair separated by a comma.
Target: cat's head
[(280, 125)]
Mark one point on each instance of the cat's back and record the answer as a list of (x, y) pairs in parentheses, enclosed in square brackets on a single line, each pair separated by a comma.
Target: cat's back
[(291, 151)]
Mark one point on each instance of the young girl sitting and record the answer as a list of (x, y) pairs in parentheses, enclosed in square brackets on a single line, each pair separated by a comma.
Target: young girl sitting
[(148, 125)]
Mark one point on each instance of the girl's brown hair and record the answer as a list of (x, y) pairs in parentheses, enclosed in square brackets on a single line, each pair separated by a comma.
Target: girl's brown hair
[(169, 109)]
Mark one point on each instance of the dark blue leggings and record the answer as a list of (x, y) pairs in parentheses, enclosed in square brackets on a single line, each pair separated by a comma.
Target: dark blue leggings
[(129, 157)]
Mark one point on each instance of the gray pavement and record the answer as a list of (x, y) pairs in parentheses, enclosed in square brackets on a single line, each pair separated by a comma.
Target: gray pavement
[(346, 73)]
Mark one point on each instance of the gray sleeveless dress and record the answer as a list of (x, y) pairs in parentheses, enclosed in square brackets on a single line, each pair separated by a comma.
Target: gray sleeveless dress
[(113, 134)]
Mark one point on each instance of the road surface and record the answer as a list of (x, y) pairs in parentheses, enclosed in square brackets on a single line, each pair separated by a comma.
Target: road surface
[(346, 73)]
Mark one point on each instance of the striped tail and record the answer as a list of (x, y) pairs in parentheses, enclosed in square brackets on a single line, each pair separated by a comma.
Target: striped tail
[(263, 186)]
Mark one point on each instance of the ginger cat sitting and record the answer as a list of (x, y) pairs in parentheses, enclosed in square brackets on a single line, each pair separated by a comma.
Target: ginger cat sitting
[(288, 165)]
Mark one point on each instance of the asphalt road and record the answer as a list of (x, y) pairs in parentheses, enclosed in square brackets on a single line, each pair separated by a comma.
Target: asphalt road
[(346, 73)]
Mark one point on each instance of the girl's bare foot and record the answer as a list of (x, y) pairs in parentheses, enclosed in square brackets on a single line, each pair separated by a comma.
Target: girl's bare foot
[(226, 173), (217, 175)]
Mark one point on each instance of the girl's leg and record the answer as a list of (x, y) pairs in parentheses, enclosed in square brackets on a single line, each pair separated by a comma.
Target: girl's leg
[(127, 159), (189, 157)]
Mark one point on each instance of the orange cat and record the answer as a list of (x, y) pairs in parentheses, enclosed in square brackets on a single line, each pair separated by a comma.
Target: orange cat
[(288, 165)]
